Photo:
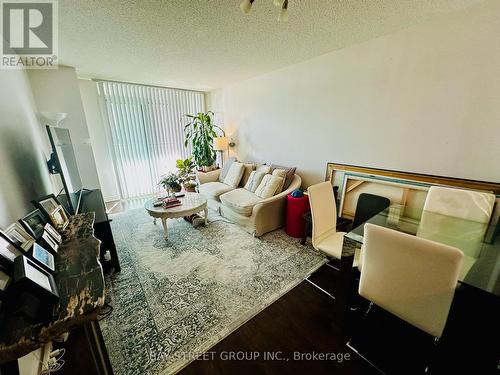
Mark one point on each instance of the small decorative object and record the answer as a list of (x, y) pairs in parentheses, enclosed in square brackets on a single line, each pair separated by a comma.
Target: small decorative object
[(297, 193), (200, 132), (31, 278), (170, 182), (43, 256), (34, 222), (48, 241), (19, 236), (59, 218), (53, 233), (8, 251), (47, 204)]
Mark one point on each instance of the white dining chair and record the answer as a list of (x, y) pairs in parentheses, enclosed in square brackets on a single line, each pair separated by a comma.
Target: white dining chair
[(409, 277), (444, 204), (325, 237)]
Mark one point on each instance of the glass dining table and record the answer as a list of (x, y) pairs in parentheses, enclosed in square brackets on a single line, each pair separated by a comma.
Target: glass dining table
[(481, 266)]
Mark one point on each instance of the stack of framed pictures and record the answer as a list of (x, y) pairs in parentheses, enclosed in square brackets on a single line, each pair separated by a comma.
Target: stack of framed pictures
[(53, 211)]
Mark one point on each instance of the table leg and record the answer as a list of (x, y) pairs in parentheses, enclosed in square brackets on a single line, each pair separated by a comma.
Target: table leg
[(206, 214), (165, 230)]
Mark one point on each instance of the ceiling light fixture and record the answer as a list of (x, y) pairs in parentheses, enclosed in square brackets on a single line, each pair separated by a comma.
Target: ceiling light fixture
[(246, 7)]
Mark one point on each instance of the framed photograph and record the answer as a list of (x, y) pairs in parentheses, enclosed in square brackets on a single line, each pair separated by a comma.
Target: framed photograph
[(48, 241), (53, 233), (43, 256), (29, 276), (19, 236), (59, 218), (47, 204), (5, 281), (8, 251), (34, 222)]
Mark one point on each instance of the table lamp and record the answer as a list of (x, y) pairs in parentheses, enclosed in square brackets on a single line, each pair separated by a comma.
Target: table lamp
[(221, 145)]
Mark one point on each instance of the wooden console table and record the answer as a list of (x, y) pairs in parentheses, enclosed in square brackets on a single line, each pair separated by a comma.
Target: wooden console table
[(80, 283)]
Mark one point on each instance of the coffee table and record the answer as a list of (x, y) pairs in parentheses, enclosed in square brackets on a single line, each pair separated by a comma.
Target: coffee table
[(192, 203)]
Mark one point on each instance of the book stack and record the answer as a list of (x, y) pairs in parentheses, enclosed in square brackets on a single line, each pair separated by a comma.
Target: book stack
[(171, 202)]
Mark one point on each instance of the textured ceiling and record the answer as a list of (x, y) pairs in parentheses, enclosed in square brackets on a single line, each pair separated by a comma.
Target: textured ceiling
[(205, 44)]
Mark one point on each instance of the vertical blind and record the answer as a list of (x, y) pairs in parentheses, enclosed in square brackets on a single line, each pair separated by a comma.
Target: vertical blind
[(146, 130)]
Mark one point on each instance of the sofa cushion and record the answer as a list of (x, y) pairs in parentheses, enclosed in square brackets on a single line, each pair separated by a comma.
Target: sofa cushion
[(254, 181), (280, 173), (248, 169), (234, 174), (225, 168), (290, 172), (269, 186), (214, 189), (240, 201), (263, 168)]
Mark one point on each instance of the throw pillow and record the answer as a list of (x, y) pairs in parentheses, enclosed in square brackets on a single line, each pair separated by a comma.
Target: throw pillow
[(264, 168), (225, 168), (290, 172), (254, 180), (269, 186), (280, 173), (234, 174), (249, 167)]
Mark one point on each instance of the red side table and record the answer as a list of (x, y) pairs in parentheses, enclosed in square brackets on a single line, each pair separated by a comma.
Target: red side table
[(295, 209)]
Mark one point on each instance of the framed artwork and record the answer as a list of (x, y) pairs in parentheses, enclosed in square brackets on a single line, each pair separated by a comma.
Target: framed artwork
[(53, 233), (34, 222), (47, 204), (8, 251), (27, 272), (49, 241), (5, 281), (19, 236), (43, 256), (59, 218)]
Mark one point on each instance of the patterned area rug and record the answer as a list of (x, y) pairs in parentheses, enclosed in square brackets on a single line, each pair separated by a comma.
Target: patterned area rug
[(175, 299)]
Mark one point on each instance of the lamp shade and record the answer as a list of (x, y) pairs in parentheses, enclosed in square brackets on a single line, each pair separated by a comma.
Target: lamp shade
[(220, 143)]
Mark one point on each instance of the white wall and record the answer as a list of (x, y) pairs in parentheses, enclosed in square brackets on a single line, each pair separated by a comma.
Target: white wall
[(425, 99), (56, 90), (100, 145), (23, 172)]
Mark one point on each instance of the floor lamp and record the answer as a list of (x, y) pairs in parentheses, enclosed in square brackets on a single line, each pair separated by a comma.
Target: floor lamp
[(220, 145)]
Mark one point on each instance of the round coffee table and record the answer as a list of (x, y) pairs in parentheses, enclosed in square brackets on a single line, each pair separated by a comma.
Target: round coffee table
[(192, 203)]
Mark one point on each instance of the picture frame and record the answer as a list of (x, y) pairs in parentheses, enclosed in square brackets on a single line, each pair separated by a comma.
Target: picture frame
[(34, 223), (19, 236), (5, 281), (44, 257), (49, 241), (33, 278), (53, 233), (8, 251), (47, 204), (59, 218)]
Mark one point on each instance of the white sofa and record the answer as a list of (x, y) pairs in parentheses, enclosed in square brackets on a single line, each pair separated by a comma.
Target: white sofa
[(254, 214)]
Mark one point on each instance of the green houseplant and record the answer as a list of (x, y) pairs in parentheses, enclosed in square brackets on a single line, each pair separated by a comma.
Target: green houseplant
[(186, 173), (171, 182), (200, 132)]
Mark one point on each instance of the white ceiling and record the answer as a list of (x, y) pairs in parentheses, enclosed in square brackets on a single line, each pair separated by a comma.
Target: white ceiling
[(205, 44)]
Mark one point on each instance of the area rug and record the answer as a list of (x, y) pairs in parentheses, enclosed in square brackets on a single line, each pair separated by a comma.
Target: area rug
[(176, 298)]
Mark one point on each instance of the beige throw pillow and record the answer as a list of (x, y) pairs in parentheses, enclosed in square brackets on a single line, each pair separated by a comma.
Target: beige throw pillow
[(249, 167), (254, 181), (264, 168), (234, 174), (269, 186), (280, 173), (290, 173), (225, 168)]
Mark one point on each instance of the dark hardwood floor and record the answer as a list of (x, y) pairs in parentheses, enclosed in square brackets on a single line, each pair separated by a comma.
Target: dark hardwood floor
[(297, 324)]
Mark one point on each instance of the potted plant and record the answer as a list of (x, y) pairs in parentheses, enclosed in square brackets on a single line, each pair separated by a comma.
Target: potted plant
[(186, 173), (170, 182), (200, 132)]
